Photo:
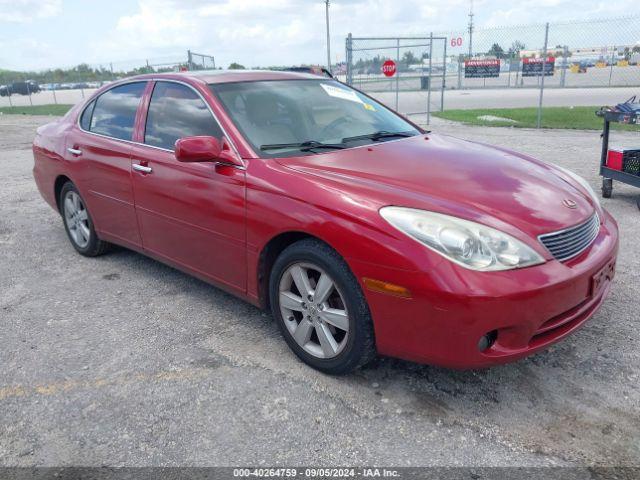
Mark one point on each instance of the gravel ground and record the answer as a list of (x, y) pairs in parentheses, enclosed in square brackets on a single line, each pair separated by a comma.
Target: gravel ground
[(121, 360)]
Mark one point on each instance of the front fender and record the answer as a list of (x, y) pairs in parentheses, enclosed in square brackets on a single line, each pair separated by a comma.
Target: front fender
[(281, 200)]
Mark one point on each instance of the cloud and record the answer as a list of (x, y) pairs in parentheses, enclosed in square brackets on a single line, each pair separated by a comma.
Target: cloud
[(24, 11), (249, 31), (263, 33), (37, 52), (286, 32), (280, 32)]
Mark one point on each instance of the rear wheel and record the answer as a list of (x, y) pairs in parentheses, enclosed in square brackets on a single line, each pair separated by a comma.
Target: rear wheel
[(607, 187), (320, 308), (78, 223)]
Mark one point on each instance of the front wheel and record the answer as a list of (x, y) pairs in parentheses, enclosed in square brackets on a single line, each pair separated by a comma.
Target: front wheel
[(78, 223), (320, 308)]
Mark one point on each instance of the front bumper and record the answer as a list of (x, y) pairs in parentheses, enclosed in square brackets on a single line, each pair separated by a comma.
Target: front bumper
[(452, 308)]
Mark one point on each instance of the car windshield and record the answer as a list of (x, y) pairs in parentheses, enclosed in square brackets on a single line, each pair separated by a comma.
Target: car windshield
[(302, 117)]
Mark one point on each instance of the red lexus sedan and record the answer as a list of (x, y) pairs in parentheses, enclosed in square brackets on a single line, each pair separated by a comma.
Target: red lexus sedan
[(362, 233)]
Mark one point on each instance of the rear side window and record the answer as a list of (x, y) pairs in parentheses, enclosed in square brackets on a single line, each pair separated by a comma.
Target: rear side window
[(85, 119), (114, 113), (176, 111)]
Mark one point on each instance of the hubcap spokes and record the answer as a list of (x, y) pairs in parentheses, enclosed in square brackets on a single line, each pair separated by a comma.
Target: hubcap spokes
[(314, 310), (77, 219)]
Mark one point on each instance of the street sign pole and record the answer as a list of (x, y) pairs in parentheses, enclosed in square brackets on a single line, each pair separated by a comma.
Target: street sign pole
[(397, 73), (349, 53)]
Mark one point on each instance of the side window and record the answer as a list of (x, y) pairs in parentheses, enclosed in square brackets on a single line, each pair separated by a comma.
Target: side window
[(85, 118), (115, 111), (176, 111)]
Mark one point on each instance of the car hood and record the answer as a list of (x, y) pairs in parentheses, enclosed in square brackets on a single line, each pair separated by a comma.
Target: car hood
[(487, 184)]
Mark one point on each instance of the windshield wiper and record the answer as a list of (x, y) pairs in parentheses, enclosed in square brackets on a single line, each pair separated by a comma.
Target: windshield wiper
[(307, 146), (310, 145), (375, 136)]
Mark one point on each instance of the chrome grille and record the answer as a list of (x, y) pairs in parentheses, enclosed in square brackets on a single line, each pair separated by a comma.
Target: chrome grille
[(570, 242)]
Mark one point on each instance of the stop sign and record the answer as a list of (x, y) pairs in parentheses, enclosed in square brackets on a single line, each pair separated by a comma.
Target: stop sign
[(389, 68)]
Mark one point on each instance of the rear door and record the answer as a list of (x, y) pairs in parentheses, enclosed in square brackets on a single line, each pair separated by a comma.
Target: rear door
[(101, 146), (190, 214)]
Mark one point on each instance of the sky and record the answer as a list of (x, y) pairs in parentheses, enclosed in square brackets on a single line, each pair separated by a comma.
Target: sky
[(41, 34)]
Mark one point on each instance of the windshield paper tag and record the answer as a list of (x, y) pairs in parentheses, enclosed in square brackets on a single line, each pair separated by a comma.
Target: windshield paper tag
[(341, 93)]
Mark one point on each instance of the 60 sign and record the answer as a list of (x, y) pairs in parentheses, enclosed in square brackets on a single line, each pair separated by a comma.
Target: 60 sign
[(456, 41)]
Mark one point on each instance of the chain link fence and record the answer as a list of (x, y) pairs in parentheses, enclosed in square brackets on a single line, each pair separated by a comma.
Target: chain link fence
[(602, 53), (572, 55), (200, 61), (70, 85), (419, 65), (470, 66), (493, 58)]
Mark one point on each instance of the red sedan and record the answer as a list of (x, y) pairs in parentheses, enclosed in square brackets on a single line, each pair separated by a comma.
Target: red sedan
[(361, 232)]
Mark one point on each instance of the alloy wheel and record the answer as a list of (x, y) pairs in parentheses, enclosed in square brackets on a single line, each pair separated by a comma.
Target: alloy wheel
[(314, 310), (77, 219)]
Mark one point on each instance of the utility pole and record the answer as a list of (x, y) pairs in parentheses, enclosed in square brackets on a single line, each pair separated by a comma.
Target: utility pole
[(471, 30), (544, 70), (326, 2)]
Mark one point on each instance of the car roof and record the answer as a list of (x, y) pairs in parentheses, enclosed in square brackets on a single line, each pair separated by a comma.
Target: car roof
[(227, 76)]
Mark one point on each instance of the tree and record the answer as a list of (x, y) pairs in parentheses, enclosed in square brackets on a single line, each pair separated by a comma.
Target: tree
[(495, 51), (560, 51), (236, 66), (515, 49), (409, 58), (369, 65)]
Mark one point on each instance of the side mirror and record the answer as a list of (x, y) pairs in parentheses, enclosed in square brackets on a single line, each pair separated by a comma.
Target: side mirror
[(198, 149), (206, 149)]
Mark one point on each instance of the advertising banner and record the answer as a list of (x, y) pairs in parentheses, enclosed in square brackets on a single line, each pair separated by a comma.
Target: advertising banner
[(482, 68), (532, 67)]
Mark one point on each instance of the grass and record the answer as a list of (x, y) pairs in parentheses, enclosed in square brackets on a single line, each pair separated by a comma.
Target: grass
[(582, 118), (56, 110)]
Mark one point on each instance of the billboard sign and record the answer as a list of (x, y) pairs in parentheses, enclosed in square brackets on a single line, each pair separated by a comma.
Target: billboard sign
[(532, 67), (482, 68)]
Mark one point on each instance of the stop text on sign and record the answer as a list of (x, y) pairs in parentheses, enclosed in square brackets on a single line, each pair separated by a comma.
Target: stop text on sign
[(389, 68)]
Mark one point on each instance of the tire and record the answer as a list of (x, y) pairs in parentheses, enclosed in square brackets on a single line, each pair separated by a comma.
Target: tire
[(78, 223), (607, 187), (340, 310)]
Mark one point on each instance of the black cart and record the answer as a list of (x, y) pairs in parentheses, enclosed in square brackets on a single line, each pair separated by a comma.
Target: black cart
[(628, 174)]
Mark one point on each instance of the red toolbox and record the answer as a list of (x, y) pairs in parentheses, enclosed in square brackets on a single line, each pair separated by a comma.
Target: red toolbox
[(614, 158), (624, 160)]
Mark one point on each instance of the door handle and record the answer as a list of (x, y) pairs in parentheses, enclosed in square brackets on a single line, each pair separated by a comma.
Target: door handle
[(142, 168), (74, 151)]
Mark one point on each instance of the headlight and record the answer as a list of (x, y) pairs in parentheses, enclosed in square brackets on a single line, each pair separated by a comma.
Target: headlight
[(466, 243), (582, 182)]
